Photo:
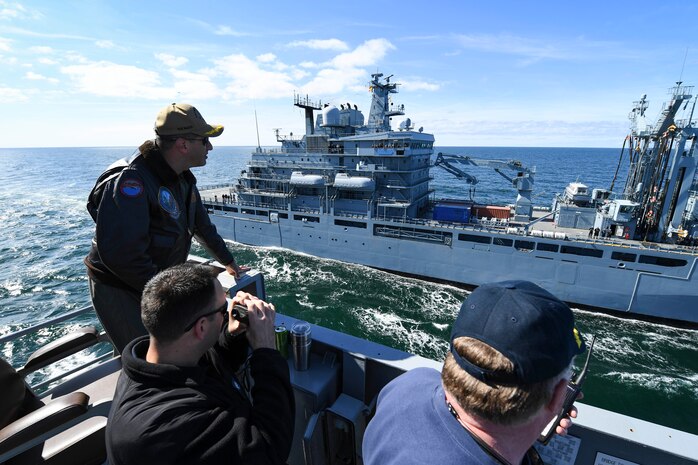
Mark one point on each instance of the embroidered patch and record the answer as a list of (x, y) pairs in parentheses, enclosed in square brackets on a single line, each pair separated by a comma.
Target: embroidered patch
[(131, 187), (168, 202)]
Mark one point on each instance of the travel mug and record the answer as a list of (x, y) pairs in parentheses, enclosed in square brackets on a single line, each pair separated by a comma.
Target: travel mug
[(300, 344)]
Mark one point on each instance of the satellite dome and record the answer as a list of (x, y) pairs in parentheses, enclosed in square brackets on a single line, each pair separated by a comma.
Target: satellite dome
[(330, 116)]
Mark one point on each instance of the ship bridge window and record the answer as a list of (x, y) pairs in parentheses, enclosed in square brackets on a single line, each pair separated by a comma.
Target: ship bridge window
[(283, 215), (525, 245), (661, 261), (311, 219), (623, 256), (229, 209), (261, 213), (582, 251), (502, 242), (353, 224), (474, 238), (544, 246), (247, 211)]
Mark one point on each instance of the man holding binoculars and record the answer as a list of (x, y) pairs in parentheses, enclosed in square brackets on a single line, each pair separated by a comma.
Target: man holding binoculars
[(178, 399)]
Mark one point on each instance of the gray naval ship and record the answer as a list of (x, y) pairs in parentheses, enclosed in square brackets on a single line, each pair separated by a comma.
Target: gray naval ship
[(358, 190)]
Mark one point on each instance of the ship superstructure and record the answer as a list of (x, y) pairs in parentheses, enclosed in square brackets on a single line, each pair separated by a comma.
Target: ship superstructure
[(355, 189), (343, 166), (662, 175)]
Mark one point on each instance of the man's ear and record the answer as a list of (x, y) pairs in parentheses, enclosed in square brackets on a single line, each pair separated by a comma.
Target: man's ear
[(558, 397), (201, 328)]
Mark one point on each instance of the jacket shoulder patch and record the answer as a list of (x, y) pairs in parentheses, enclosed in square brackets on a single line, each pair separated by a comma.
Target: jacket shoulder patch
[(131, 187)]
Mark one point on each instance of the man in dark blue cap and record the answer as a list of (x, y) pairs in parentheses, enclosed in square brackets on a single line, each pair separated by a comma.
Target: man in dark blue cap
[(503, 380)]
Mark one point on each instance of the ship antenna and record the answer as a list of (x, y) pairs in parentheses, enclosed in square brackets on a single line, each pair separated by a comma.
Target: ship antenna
[(256, 125), (683, 65)]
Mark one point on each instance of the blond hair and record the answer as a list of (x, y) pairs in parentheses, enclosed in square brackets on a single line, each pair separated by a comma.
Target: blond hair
[(500, 404)]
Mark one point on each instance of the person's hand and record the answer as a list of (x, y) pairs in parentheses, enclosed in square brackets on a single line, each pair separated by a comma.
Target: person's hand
[(566, 421), (236, 270), (260, 331)]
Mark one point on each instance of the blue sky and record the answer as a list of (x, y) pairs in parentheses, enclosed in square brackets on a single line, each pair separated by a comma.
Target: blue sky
[(497, 73)]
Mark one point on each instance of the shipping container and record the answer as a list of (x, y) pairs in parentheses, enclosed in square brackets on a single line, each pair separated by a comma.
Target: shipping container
[(491, 211), (459, 213)]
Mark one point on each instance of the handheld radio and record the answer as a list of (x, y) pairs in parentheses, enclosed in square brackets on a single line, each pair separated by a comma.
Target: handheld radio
[(573, 389)]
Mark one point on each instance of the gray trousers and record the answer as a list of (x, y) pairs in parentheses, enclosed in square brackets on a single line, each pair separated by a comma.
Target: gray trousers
[(119, 311)]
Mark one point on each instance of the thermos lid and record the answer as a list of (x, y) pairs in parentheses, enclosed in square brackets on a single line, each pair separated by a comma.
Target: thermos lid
[(300, 330)]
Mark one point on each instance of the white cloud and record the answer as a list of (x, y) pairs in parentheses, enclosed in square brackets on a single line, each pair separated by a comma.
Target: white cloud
[(75, 57), (8, 94), (11, 10), (248, 80), (5, 44), (510, 45), (104, 44), (418, 85), (114, 80), (317, 44), (535, 50), (333, 81), (47, 61), (266, 58), (8, 60), (41, 50), (228, 31), (346, 70), (171, 60), (366, 54), (194, 86), (39, 77), (267, 77)]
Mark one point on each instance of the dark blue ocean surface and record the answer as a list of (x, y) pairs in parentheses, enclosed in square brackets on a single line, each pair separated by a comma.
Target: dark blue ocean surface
[(644, 370)]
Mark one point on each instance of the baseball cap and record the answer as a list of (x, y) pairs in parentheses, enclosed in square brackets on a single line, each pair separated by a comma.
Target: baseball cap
[(180, 119), (525, 323)]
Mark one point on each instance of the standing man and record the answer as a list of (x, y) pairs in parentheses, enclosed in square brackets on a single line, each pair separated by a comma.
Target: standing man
[(178, 400), (503, 380), (146, 217)]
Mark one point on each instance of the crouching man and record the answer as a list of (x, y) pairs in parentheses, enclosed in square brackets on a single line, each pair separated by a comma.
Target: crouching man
[(178, 400), (503, 380)]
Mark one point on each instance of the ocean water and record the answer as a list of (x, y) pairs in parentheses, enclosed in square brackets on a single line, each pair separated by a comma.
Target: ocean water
[(648, 371)]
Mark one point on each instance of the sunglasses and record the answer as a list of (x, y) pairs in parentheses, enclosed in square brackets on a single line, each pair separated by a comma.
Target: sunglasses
[(204, 140), (223, 309)]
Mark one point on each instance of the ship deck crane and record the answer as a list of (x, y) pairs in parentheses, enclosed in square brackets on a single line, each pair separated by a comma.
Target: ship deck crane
[(522, 182)]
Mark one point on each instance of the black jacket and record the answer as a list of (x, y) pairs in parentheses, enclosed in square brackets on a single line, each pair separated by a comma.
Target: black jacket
[(165, 414), (146, 220)]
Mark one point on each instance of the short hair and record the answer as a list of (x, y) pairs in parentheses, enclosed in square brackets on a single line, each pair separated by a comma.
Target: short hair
[(174, 296), (500, 404), (165, 143)]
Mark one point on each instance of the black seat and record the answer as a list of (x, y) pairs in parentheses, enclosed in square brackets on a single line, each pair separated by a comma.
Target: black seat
[(66, 424)]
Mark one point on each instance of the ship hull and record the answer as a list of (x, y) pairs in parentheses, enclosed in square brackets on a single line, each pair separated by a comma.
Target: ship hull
[(437, 252)]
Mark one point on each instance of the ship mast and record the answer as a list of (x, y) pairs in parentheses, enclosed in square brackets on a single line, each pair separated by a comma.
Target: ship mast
[(309, 107), (381, 111)]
